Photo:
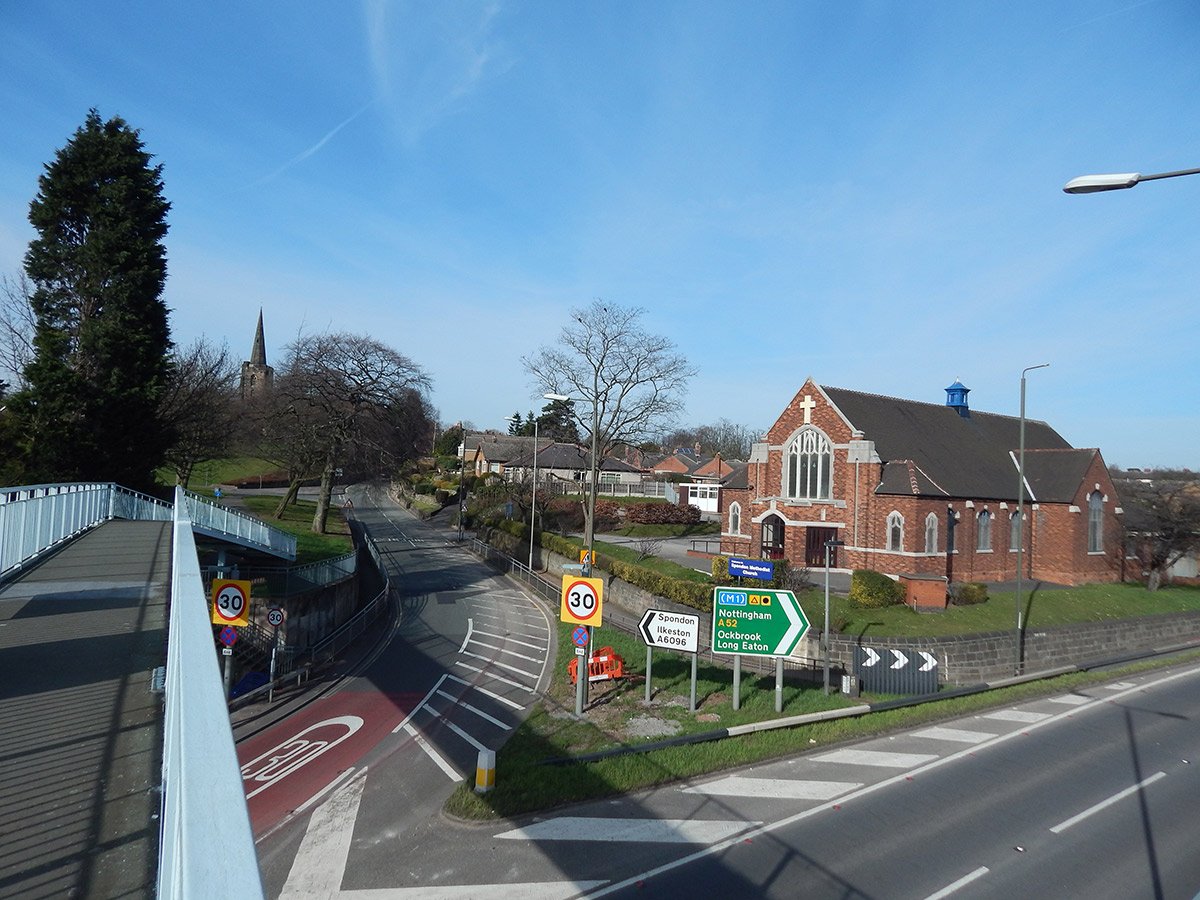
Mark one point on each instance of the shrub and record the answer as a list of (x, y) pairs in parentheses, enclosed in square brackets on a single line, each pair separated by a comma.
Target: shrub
[(967, 593), (423, 487), (720, 569), (873, 590), (662, 514)]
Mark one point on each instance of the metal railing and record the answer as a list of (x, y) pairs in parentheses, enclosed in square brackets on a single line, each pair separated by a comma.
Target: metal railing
[(221, 521), (203, 800), (36, 518)]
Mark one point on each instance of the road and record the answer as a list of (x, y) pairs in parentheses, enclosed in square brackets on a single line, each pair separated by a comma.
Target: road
[(1091, 793)]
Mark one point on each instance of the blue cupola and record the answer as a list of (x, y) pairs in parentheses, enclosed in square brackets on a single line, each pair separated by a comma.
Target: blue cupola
[(956, 398)]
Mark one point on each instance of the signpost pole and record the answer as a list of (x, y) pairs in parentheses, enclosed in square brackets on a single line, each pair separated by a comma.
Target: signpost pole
[(737, 682), (581, 675), (649, 659), (779, 684), (271, 678), (228, 671), (692, 708)]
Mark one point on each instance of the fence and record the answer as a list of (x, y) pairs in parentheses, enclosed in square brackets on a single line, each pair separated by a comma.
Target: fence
[(229, 523)]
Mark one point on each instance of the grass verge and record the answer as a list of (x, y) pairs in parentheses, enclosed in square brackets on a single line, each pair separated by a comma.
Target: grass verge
[(297, 519)]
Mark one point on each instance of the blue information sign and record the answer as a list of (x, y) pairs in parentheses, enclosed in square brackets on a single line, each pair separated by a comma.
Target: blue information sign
[(763, 570)]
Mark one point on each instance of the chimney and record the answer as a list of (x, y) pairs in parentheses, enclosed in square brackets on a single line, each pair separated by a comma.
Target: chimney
[(956, 398)]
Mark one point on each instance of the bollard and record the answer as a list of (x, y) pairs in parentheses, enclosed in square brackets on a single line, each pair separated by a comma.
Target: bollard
[(485, 771)]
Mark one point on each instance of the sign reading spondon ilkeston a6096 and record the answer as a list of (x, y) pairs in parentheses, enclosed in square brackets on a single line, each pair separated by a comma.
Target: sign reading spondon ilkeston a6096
[(756, 622), (670, 630)]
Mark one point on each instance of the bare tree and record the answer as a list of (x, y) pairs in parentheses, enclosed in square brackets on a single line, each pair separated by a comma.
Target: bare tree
[(350, 398), (17, 324), (730, 440), (627, 383), (200, 406), (1162, 519)]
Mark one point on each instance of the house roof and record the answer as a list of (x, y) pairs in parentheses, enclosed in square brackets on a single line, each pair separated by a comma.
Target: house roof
[(940, 452), (554, 455), (498, 447)]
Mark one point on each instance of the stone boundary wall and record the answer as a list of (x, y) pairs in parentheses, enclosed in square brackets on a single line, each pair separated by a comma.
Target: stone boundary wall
[(962, 659)]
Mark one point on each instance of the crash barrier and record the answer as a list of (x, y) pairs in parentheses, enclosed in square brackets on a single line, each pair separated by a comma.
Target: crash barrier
[(606, 665)]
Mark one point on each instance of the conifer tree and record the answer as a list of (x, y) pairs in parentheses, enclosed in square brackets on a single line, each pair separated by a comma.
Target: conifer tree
[(102, 343)]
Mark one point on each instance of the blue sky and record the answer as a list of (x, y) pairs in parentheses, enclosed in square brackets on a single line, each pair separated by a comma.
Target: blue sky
[(867, 193)]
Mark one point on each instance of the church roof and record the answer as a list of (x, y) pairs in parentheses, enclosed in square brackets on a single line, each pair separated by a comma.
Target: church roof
[(945, 452), (258, 353), (1054, 476)]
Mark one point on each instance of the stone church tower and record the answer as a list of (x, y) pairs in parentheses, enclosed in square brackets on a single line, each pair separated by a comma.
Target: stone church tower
[(257, 376)]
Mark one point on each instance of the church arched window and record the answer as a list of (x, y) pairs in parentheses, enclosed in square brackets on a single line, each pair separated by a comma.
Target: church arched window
[(983, 531), (895, 531), (1095, 522), (807, 464), (931, 533), (735, 518)]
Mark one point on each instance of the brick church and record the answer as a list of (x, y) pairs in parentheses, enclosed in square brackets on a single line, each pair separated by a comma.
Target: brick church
[(921, 489)]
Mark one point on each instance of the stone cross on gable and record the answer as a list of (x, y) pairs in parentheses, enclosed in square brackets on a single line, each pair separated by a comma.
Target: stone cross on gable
[(808, 405)]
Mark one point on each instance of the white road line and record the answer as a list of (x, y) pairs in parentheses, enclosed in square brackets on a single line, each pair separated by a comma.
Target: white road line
[(433, 754), (659, 831), (478, 712), (532, 659), (467, 639), (1071, 700), (961, 735), (783, 788), (962, 882), (535, 890), (417, 708), (320, 863), (1119, 686), (879, 758), (494, 676), (1104, 804), (511, 640), (499, 699), (1015, 715), (462, 734), (494, 662)]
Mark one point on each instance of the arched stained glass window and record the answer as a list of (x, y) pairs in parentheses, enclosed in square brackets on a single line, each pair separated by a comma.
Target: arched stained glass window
[(1096, 522), (895, 527), (931, 533), (807, 466), (983, 535), (735, 518)]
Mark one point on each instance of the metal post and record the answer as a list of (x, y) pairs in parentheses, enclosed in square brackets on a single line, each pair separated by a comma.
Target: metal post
[(692, 706), (779, 684), (271, 677), (533, 495), (1021, 519), (462, 485), (825, 642), (737, 682), (649, 659), (581, 675)]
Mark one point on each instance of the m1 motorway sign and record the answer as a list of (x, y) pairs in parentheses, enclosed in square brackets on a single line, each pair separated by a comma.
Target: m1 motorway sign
[(756, 622), (670, 630)]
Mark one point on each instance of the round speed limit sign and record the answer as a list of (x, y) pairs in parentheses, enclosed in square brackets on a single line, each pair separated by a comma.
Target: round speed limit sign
[(582, 600), (231, 602), (274, 616)]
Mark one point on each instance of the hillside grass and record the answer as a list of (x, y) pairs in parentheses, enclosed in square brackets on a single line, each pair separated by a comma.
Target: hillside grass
[(297, 520)]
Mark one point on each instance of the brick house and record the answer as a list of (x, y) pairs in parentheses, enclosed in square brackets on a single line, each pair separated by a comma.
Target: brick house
[(900, 481)]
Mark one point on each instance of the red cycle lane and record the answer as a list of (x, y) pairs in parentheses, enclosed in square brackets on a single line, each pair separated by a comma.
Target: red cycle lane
[(289, 763)]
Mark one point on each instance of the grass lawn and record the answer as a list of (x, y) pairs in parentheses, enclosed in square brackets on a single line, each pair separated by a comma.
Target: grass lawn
[(221, 471), (700, 528), (628, 553), (297, 519)]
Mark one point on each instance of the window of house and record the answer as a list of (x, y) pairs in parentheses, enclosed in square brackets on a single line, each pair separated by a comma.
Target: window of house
[(983, 532), (1014, 531), (1096, 522), (895, 529), (735, 518), (807, 465), (610, 478), (931, 533)]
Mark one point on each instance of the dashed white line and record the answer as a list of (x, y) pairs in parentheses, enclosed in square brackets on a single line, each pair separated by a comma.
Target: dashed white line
[(494, 676), (662, 831), (433, 754), (1015, 715), (478, 712), (511, 640), (462, 734), (959, 735), (486, 692), (878, 758), (494, 662), (532, 659), (783, 788), (1072, 700), (1104, 804), (962, 882)]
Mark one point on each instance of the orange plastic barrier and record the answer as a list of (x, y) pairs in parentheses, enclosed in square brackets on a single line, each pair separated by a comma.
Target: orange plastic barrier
[(605, 666)]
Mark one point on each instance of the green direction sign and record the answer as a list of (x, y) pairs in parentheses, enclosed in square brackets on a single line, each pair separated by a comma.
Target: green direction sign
[(756, 622)]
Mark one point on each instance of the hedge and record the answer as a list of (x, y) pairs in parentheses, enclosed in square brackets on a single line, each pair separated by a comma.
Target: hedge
[(874, 590)]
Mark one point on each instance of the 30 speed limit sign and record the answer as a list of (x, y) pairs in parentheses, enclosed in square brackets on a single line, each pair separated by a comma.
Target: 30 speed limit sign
[(582, 600), (231, 602)]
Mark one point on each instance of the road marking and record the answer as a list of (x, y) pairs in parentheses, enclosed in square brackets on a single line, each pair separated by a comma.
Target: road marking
[(532, 659), (659, 831), (533, 890), (479, 712), (961, 735), (962, 882), (320, 862), (1015, 715), (1119, 686), (1104, 804), (512, 640), (785, 789), (467, 639), (403, 725), (533, 675), (878, 758), (433, 754), (494, 676), (298, 750), (1072, 699), (514, 704)]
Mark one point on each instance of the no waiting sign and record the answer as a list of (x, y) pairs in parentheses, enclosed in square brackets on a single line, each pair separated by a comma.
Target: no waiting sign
[(582, 600), (231, 602)]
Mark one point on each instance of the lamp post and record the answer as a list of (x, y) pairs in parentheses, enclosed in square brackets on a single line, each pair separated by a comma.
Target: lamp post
[(1090, 184), (1021, 515), (828, 546), (462, 485), (533, 492)]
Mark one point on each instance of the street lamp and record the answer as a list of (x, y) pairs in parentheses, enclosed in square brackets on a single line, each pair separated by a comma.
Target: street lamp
[(533, 493), (1090, 184), (1021, 514), (828, 546)]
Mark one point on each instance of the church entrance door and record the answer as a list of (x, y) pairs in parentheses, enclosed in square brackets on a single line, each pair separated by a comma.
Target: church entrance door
[(814, 547), (772, 538)]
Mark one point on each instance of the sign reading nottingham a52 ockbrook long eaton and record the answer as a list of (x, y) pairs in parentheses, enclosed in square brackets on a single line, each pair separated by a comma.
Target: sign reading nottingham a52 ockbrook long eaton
[(756, 622)]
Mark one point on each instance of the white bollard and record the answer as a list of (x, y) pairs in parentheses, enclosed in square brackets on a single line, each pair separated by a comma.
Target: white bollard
[(485, 771)]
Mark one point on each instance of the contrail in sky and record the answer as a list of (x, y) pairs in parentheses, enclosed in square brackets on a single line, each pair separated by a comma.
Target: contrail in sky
[(315, 147)]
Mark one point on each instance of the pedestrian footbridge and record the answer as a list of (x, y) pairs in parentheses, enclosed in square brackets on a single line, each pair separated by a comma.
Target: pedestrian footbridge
[(118, 774)]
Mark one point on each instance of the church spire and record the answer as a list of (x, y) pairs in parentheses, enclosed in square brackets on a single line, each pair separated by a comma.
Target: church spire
[(258, 353)]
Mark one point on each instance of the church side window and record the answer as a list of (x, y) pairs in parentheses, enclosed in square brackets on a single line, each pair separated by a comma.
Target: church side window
[(735, 518), (807, 465), (1096, 522), (1014, 531), (895, 526), (931, 533), (983, 537)]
